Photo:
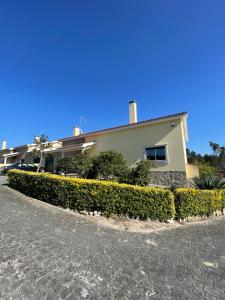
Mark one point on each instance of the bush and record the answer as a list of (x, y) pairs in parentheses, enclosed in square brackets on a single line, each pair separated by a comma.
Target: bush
[(206, 170), (65, 165), (79, 164), (209, 182), (109, 165), (223, 199), (140, 173), (192, 202), (109, 198)]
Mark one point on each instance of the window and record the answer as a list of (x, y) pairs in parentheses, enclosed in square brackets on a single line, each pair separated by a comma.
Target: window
[(156, 153)]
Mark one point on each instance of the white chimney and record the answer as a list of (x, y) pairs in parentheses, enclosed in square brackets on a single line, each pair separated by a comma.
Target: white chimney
[(132, 112), (4, 144), (76, 131)]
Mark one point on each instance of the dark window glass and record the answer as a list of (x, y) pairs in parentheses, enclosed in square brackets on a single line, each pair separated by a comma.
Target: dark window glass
[(156, 153), (160, 153), (36, 160), (150, 153)]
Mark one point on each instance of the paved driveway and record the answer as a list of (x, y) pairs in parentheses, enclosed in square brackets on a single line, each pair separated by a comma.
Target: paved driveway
[(48, 253)]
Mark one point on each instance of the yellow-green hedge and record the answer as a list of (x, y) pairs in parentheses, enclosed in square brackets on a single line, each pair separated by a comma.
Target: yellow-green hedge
[(109, 198), (193, 202), (223, 200)]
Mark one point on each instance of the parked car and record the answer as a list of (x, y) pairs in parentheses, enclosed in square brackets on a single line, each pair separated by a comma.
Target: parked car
[(19, 166)]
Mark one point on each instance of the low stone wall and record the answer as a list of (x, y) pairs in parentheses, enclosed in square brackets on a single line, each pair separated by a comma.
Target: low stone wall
[(168, 178)]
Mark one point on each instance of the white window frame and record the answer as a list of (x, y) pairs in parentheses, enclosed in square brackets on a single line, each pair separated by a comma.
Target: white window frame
[(166, 161)]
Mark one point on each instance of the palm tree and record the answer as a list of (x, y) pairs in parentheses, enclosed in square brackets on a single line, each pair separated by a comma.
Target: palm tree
[(41, 144)]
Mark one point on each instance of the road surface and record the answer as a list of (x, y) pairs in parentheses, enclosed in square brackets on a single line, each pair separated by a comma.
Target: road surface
[(49, 253)]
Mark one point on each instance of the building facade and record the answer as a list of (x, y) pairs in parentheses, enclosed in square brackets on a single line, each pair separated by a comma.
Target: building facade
[(162, 140)]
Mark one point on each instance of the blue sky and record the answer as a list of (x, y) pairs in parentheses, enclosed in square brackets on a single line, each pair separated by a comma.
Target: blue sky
[(60, 60)]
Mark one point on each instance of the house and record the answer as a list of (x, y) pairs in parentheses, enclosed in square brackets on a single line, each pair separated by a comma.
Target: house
[(162, 140), (26, 154)]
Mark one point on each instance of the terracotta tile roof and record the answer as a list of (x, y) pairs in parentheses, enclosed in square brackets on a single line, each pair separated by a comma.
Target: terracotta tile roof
[(128, 125)]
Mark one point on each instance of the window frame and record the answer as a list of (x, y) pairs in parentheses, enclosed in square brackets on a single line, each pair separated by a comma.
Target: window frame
[(156, 160)]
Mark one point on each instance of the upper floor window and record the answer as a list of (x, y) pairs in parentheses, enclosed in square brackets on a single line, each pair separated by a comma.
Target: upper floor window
[(156, 153)]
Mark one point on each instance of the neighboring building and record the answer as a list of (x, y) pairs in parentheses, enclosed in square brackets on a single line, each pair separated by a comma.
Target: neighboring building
[(26, 154), (162, 140)]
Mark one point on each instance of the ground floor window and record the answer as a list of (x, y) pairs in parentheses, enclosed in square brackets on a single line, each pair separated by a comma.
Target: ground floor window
[(157, 153)]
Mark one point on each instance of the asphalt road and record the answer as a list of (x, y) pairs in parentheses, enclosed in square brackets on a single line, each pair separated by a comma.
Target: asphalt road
[(48, 253)]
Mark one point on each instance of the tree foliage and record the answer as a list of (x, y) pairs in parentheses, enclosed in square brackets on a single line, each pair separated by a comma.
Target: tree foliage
[(80, 164), (215, 160), (140, 173), (206, 169), (109, 165), (65, 165), (41, 144)]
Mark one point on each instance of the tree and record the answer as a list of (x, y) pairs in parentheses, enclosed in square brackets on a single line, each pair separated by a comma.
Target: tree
[(222, 158), (41, 144), (65, 165), (219, 155), (215, 147), (109, 165), (80, 164), (209, 163), (194, 158)]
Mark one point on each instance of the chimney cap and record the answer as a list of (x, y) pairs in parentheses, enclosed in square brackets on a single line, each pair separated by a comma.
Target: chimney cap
[(132, 101)]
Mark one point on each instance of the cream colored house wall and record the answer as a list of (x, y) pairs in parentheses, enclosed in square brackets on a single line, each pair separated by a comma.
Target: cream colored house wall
[(131, 142), (192, 171)]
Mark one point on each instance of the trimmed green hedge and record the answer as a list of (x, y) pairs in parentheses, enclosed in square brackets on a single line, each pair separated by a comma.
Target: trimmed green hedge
[(223, 200), (106, 197), (193, 202)]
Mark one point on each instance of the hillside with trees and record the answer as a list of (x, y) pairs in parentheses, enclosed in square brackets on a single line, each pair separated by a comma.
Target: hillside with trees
[(209, 163)]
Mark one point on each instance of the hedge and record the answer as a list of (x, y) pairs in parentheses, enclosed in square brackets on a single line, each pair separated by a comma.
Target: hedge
[(109, 198), (223, 200), (193, 202)]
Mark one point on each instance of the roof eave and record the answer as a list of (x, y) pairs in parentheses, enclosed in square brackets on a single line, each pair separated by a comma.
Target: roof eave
[(130, 126)]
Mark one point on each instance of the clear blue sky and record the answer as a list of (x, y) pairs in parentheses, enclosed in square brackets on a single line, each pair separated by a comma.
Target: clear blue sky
[(60, 60)]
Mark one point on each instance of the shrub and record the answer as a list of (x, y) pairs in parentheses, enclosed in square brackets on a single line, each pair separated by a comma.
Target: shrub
[(65, 165), (140, 173), (109, 165), (206, 170), (192, 202), (79, 164), (109, 198), (223, 199), (209, 182)]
